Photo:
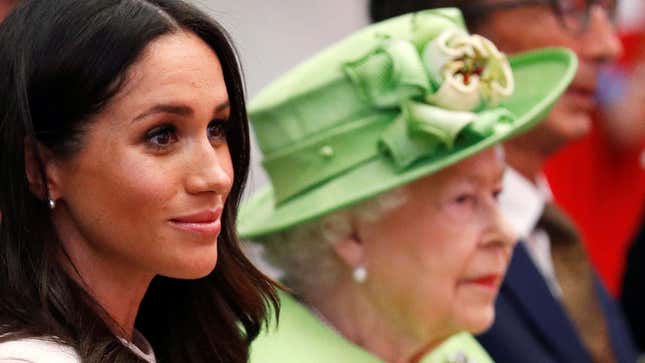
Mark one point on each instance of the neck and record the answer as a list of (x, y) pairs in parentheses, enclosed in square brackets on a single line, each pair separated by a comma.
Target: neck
[(115, 286), (357, 319)]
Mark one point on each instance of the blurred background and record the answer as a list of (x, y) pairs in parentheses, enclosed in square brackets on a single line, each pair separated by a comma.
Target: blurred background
[(272, 36)]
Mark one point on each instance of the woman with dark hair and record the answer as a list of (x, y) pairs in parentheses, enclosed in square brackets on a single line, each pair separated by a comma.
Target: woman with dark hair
[(124, 152)]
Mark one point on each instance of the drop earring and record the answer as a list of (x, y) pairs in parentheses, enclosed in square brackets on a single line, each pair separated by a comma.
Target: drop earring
[(360, 274), (51, 203)]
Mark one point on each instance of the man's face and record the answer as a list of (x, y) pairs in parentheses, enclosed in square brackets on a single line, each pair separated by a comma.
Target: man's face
[(535, 26)]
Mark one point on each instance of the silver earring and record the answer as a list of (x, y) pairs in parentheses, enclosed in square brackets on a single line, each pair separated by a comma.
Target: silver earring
[(52, 203), (360, 274)]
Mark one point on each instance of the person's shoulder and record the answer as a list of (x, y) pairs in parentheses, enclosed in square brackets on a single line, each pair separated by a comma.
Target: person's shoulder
[(300, 336), (36, 350), (461, 347)]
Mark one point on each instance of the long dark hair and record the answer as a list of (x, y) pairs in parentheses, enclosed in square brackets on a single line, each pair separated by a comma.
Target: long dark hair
[(61, 61)]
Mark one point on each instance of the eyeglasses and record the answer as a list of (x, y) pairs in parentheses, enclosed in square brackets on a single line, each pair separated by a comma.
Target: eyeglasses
[(573, 15)]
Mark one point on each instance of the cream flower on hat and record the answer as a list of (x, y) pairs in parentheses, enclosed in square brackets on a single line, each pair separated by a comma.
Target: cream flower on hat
[(467, 71)]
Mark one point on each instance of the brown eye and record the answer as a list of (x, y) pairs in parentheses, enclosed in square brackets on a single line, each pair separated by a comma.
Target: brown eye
[(217, 131), (162, 136)]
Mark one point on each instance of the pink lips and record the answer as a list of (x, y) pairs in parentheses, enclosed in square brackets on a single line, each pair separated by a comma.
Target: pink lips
[(206, 222), (491, 281)]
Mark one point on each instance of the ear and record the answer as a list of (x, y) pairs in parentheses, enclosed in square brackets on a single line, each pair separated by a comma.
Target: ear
[(351, 249), (39, 159)]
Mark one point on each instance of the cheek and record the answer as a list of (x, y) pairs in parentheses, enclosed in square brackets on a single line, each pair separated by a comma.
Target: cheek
[(449, 256), (567, 121), (139, 180), (420, 266), (121, 194), (444, 261), (226, 163), (441, 252), (453, 250), (435, 244)]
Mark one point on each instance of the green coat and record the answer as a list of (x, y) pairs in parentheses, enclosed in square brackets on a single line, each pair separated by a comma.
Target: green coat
[(302, 338)]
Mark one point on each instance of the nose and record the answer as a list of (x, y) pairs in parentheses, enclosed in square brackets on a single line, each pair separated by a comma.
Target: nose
[(209, 169), (601, 43), (499, 231)]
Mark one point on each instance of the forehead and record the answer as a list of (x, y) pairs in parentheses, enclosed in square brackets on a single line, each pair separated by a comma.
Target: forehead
[(178, 65), (488, 164), (486, 167), (523, 28)]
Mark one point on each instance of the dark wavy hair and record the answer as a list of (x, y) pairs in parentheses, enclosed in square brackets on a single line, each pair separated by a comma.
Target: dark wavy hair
[(61, 62)]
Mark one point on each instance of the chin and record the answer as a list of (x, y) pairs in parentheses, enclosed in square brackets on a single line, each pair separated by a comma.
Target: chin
[(579, 125), (478, 320), (193, 268), (569, 123)]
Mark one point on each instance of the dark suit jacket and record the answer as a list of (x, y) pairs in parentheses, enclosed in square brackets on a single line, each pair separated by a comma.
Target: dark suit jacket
[(633, 296), (531, 326)]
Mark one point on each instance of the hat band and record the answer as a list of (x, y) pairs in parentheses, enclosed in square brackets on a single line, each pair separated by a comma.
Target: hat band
[(306, 165)]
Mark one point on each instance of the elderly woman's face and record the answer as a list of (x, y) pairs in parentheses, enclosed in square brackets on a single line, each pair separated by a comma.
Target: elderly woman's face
[(436, 262), (146, 191)]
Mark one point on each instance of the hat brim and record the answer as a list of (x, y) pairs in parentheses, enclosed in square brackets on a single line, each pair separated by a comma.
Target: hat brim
[(541, 76)]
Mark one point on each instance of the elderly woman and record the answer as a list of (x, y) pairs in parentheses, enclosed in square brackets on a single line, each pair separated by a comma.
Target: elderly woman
[(382, 212), (123, 154)]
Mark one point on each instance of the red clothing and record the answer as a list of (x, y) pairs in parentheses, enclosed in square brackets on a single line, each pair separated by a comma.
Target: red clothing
[(603, 190)]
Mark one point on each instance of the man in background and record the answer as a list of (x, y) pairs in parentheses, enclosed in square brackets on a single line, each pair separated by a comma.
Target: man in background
[(551, 307), (600, 179)]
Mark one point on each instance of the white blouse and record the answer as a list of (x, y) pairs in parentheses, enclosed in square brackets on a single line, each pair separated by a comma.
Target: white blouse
[(34, 350), (41, 350)]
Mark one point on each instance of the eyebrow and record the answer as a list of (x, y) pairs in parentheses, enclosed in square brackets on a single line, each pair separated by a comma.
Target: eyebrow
[(477, 179), (177, 109), (222, 106)]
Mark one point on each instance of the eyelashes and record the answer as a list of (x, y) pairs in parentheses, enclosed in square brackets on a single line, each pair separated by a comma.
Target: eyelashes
[(164, 136), (161, 136), (473, 198), (218, 130)]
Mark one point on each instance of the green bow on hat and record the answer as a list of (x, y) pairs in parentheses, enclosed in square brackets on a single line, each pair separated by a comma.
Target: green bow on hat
[(394, 102), (466, 72)]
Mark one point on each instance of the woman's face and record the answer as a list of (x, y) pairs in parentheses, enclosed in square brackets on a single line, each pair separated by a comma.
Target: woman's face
[(436, 263), (146, 191)]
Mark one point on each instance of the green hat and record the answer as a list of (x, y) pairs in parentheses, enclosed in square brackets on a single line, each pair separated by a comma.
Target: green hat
[(391, 103)]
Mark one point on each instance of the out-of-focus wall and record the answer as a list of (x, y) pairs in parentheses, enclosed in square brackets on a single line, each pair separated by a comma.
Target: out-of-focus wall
[(274, 35)]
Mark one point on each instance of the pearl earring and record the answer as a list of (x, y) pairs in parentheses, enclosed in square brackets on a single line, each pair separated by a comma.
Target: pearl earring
[(360, 274), (52, 203)]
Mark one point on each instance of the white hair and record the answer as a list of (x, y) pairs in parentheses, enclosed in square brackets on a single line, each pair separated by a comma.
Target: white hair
[(304, 254)]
